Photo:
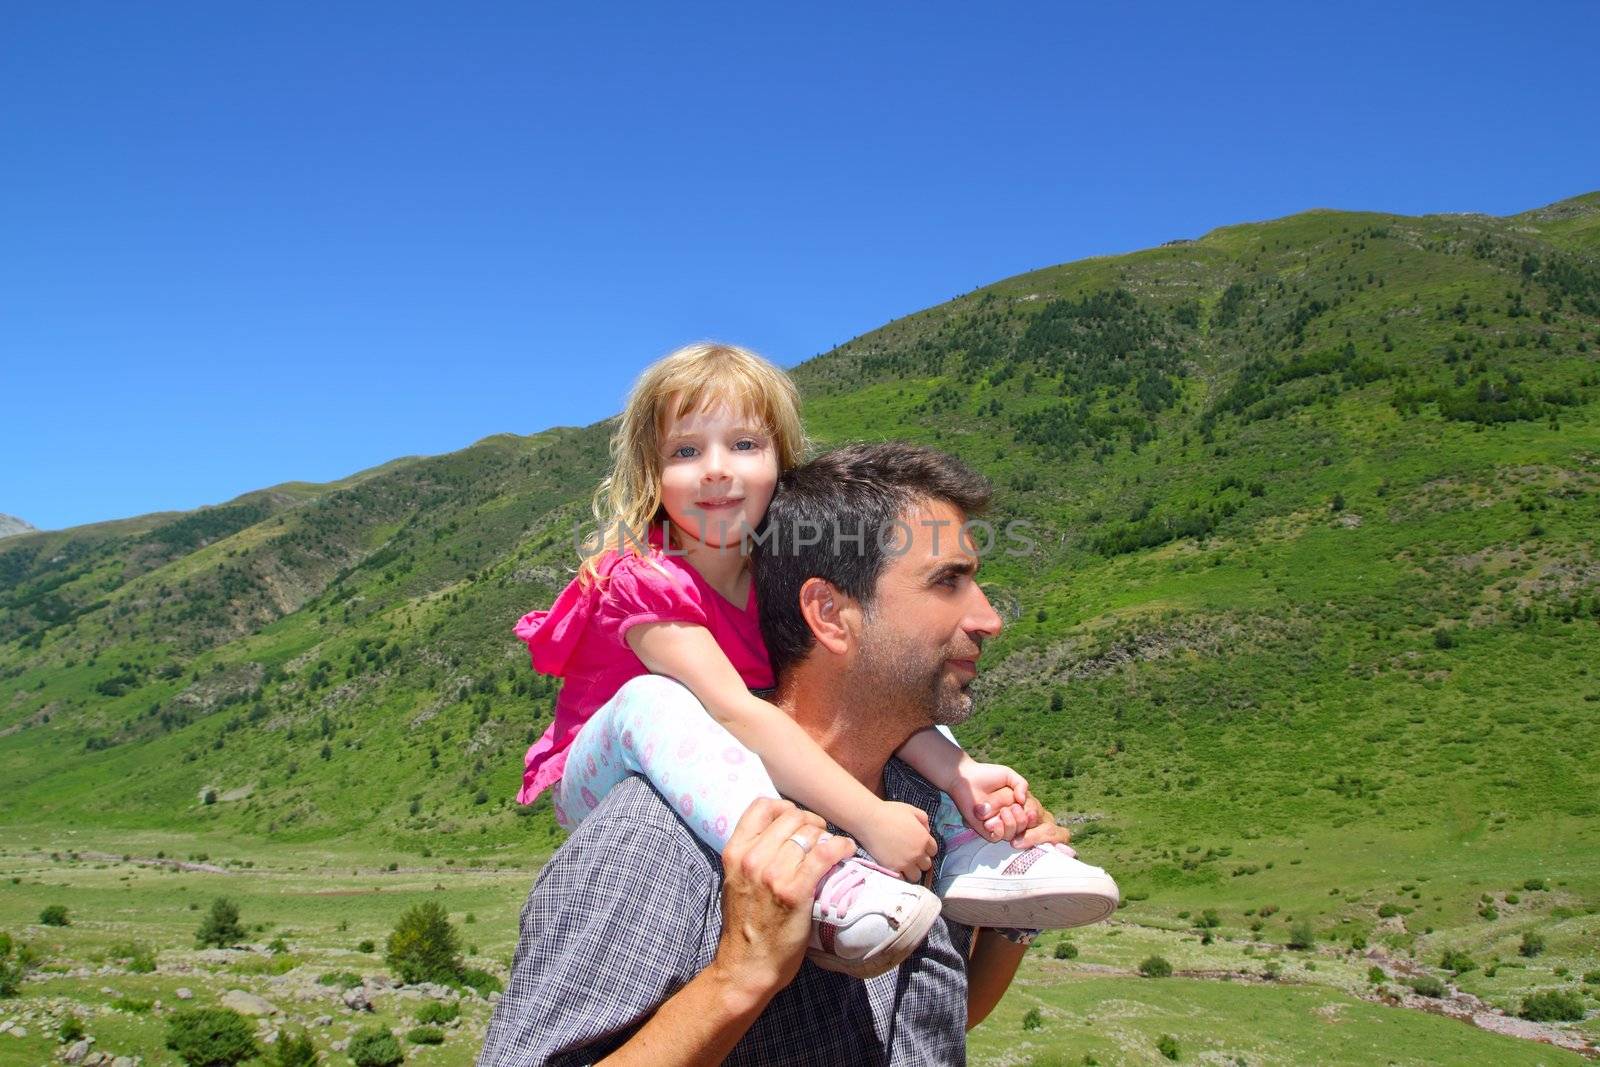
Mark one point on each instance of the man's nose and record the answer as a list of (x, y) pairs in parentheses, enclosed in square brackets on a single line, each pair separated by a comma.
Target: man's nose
[(983, 619)]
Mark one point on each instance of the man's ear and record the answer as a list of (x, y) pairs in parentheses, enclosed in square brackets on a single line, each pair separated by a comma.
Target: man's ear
[(825, 610)]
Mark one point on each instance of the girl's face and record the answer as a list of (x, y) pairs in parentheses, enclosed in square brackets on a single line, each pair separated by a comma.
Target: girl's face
[(718, 470)]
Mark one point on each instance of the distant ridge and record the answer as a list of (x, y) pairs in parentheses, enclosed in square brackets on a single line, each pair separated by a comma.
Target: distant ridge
[(10, 526)]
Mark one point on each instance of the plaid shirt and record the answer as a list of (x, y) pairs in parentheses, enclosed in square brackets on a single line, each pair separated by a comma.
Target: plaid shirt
[(630, 909)]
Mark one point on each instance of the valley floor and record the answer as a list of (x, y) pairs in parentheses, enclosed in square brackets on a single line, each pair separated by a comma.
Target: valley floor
[(324, 902)]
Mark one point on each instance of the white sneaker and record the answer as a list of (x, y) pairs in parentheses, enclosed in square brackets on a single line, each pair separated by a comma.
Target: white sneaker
[(865, 919), (986, 883)]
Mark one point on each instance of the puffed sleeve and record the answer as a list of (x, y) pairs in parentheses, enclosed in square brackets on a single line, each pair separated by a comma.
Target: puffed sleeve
[(644, 589), (552, 636)]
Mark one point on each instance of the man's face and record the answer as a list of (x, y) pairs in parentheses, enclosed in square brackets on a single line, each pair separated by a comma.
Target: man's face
[(921, 638)]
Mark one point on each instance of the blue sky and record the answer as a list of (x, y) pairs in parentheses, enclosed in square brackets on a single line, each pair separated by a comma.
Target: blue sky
[(246, 244)]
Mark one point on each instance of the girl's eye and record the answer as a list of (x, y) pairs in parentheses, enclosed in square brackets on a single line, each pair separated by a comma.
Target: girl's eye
[(682, 451), (752, 445)]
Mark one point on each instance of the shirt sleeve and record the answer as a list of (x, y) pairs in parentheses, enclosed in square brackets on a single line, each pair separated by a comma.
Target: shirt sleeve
[(641, 590), (583, 979)]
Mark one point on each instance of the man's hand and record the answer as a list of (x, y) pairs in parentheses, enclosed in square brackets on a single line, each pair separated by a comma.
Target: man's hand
[(769, 881), (1041, 828)]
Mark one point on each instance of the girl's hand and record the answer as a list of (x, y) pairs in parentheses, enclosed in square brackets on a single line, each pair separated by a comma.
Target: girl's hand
[(990, 798), (899, 839)]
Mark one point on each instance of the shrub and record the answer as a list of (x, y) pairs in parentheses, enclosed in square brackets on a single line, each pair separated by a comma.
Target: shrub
[(220, 928), (1591, 978), (1167, 1045), (210, 1037), (71, 1028), (278, 946), (435, 1012), (342, 979), (1427, 986), (375, 1047), (1457, 962), (1553, 1005), (367, 946), (133, 1005), (1209, 920), (1301, 936), (1535, 885), (273, 965), (1387, 910), (1532, 945), (480, 981), (1375, 975), (424, 946), (1358, 941), (55, 915), (296, 1051), (425, 1035), (1066, 950), (12, 971), (1032, 1020), (1443, 638), (1155, 967)]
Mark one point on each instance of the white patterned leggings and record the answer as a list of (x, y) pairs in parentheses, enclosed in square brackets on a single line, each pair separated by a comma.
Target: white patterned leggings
[(657, 728)]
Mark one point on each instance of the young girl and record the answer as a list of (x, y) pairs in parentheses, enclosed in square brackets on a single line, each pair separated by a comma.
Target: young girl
[(698, 451)]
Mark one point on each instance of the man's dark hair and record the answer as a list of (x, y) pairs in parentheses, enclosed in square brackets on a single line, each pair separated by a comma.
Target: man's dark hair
[(835, 518)]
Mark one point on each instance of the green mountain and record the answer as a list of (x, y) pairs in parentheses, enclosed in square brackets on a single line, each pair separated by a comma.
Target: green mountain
[(1310, 629)]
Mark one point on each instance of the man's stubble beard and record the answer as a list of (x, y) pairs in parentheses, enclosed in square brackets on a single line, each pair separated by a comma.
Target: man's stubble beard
[(892, 671)]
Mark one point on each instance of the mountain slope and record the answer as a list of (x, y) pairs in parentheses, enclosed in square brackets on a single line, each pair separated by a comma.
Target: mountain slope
[(1311, 613)]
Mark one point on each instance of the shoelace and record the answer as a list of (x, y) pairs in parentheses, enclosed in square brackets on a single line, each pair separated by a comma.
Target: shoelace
[(838, 891)]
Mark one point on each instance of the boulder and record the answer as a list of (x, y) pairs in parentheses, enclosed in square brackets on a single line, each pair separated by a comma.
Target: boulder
[(247, 1003), (322, 1020), (184, 993), (77, 1051), (356, 999)]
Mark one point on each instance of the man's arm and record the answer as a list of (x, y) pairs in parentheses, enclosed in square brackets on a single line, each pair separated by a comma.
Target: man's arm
[(993, 964), (995, 959), (768, 884), (610, 940)]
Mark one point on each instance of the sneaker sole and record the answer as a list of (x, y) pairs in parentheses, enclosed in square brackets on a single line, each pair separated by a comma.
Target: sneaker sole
[(892, 954), (1055, 904)]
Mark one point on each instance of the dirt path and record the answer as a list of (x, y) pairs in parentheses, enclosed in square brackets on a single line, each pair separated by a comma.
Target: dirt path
[(1468, 1008)]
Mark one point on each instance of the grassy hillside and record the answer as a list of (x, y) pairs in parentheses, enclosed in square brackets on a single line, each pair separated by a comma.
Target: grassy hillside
[(1309, 634)]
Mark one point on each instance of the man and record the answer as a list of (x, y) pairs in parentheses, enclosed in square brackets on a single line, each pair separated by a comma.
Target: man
[(638, 945)]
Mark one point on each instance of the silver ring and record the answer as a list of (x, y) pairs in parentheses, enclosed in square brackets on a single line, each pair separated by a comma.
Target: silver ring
[(797, 839)]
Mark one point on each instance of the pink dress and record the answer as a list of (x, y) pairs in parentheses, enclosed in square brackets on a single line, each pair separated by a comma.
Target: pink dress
[(581, 640)]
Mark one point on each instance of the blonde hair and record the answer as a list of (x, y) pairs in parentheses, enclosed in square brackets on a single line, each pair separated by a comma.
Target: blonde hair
[(695, 376)]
